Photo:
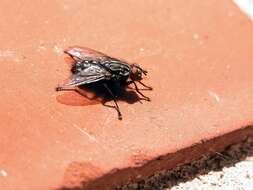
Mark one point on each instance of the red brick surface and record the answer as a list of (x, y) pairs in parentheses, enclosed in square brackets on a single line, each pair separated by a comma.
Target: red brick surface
[(199, 58)]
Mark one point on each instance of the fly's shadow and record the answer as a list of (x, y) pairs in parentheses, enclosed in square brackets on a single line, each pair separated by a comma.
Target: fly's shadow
[(92, 94)]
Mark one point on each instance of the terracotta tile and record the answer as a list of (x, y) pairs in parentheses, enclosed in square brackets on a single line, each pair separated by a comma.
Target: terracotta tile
[(199, 59)]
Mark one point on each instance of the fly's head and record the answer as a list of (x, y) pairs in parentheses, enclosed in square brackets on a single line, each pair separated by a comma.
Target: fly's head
[(136, 72)]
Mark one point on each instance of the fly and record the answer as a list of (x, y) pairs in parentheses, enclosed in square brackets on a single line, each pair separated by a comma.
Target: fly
[(91, 66)]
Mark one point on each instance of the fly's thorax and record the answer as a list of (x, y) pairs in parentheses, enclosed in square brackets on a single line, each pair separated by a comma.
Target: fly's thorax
[(118, 68)]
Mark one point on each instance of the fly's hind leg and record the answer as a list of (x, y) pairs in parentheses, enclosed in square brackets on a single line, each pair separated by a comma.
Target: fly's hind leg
[(65, 88), (114, 99), (77, 90)]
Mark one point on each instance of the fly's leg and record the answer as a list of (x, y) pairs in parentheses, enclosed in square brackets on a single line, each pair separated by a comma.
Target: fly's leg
[(148, 87), (64, 88), (114, 99), (138, 91)]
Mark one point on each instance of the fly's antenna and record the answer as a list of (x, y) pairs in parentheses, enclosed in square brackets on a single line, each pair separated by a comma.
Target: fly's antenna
[(142, 70)]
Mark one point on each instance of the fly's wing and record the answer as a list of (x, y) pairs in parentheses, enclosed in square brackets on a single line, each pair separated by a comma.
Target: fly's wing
[(82, 53), (89, 74)]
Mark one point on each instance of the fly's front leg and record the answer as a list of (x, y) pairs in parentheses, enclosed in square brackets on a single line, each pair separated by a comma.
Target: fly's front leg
[(114, 99), (148, 87), (138, 91)]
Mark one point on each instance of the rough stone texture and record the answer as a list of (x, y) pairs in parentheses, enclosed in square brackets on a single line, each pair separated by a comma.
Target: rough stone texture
[(230, 169), (200, 66)]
